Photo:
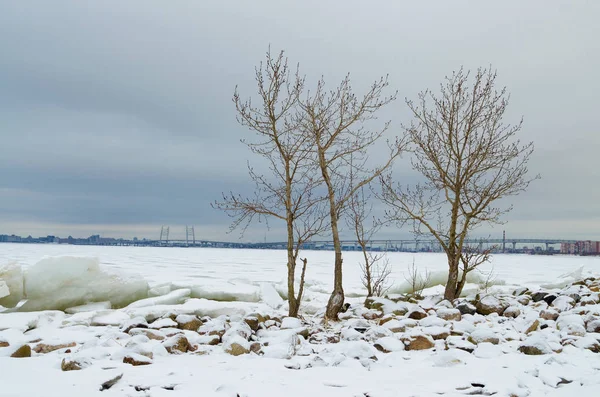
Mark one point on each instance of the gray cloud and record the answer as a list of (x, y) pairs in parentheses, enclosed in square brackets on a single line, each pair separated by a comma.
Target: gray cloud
[(117, 114)]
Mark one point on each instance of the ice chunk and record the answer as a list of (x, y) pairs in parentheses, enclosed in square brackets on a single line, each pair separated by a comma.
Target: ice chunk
[(270, 296), (63, 282), (172, 298), (4, 291), (227, 292), (111, 317), (12, 276), (90, 307)]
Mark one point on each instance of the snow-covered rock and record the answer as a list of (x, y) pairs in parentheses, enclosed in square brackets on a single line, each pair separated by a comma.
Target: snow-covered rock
[(290, 323), (490, 304), (535, 345), (449, 314), (389, 344)]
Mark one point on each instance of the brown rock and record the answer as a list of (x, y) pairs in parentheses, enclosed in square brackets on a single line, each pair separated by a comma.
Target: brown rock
[(512, 312), (191, 325), (149, 333), (22, 352), (534, 326), (70, 365), (490, 304), (256, 348), (385, 319), (235, 349), (252, 322), (531, 350), (177, 344), (417, 314), (3, 344), (549, 315), (43, 348), (420, 342), (449, 314), (136, 360), (372, 315)]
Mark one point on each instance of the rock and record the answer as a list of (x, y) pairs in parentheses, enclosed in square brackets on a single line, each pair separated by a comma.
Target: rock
[(136, 359), (538, 296), (110, 383), (238, 329), (43, 348), (389, 344), (482, 335), (593, 326), (533, 327), (236, 349), (252, 322), (22, 352), (163, 323), (571, 324), (290, 323), (149, 333), (70, 365), (4, 343), (466, 308), (373, 303), (394, 326), (386, 318), (137, 322), (535, 345), (417, 314), (490, 304), (576, 297), (520, 291), (437, 333), (188, 322), (256, 348), (458, 343), (177, 344), (549, 298), (420, 342), (512, 312), (524, 300), (377, 332), (589, 343), (549, 314), (590, 300), (372, 315), (563, 303), (449, 314), (211, 340)]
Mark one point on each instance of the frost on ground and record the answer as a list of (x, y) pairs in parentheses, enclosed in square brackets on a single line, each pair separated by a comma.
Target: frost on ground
[(505, 342)]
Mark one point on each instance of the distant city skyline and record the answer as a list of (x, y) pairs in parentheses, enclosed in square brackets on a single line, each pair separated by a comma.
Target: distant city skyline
[(117, 116)]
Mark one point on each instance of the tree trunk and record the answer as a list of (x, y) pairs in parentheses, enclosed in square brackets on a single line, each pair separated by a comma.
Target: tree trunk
[(451, 286), (291, 266), (336, 300)]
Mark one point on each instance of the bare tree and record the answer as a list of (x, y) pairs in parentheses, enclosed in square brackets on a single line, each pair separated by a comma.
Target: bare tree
[(334, 121), (470, 160), (416, 281), (288, 193), (374, 267)]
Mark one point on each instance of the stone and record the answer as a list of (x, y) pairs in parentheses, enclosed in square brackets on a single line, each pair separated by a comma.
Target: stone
[(520, 291), (512, 312), (394, 326), (177, 344), (417, 314), (524, 300), (4, 343), (420, 342), (549, 314), (22, 352), (386, 318), (535, 346), (149, 333), (70, 365), (549, 298), (43, 348), (563, 303), (188, 322), (484, 336), (252, 322), (389, 344), (437, 333), (372, 315), (466, 308), (449, 314), (236, 349), (590, 300), (490, 304), (538, 296), (593, 326), (136, 360), (256, 348), (372, 303), (110, 383), (533, 327)]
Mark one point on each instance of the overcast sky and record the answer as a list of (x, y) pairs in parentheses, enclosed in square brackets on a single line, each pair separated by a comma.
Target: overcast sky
[(116, 116)]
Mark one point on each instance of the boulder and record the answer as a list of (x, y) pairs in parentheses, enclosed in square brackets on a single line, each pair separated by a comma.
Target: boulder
[(483, 335), (533, 327), (593, 326), (136, 359), (177, 344), (538, 296), (512, 312), (490, 304), (420, 342), (22, 352), (43, 348), (188, 322), (466, 308), (549, 314), (70, 365), (149, 333), (524, 300), (535, 345), (253, 322), (549, 298), (237, 349), (417, 314), (389, 344), (563, 303), (449, 314)]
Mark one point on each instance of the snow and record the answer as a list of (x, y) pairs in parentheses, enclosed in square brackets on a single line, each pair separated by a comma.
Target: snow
[(251, 282)]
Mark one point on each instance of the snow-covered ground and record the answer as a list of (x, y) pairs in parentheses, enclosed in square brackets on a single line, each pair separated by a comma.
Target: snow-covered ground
[(226, 301)]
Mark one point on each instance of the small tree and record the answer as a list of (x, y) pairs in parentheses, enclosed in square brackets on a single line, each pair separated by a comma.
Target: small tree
[(470, 160), (334, 121), (374, 267), (288, 194)]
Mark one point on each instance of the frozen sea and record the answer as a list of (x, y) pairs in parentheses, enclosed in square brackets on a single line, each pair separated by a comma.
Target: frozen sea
[(241, 271)]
